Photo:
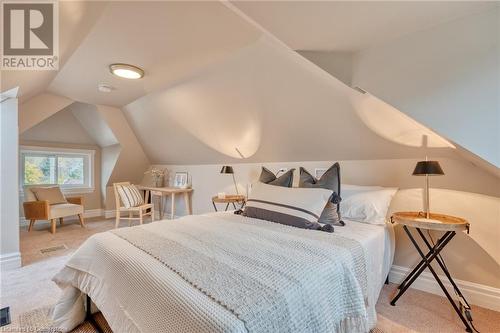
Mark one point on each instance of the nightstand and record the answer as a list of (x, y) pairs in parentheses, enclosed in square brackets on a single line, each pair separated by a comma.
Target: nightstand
[(438, 222), (229, 199)]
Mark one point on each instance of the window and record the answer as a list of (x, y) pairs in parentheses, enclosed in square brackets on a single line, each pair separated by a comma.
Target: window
[(72, 169)]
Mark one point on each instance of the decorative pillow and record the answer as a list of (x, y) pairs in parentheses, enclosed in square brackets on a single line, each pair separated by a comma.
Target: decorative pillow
[(297, 207), (369, 206), (130, 195), (268, 177), (52, 194), (348, 190), (331, 181)]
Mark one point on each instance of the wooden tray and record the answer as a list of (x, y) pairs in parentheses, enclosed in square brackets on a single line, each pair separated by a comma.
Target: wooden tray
[(440, 222), (229, 198)]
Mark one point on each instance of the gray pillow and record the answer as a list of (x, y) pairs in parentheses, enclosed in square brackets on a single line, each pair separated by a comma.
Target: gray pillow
[(268, 177), (331, 181)]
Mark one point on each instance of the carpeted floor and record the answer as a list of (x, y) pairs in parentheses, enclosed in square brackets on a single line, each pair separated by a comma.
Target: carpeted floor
[(30, 292)]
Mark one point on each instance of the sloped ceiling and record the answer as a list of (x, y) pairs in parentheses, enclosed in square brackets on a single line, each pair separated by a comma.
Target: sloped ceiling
[(216, 82), (168, 39), (62, 127), (264, 101), (76, 18), (351, 25)]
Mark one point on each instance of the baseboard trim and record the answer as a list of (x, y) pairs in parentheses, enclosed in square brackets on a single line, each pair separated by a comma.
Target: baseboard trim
[(10, 261), (477, 294), (87, 214), (109, 214), (112, 213)]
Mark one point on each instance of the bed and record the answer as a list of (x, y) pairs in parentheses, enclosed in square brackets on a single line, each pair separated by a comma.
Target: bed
[(138, 291)]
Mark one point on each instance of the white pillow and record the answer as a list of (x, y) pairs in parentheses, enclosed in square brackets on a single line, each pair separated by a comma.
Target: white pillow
[(347, 190), (367, 206), (299, 207)]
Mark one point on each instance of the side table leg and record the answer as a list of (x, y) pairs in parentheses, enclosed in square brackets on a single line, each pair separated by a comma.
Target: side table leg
[(444, 268), (438, 280), (415, 274), (431, 251)]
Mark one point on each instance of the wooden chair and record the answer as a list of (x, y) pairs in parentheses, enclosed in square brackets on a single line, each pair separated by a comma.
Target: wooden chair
[(41, 209), (141, 210)]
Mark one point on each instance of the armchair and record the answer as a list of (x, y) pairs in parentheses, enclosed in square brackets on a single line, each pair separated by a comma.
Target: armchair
[(35, 209)]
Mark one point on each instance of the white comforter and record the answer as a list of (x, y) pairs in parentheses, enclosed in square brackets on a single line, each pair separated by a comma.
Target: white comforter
[(136, 292)]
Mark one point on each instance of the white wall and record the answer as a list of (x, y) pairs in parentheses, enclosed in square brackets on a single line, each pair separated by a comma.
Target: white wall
[(10, 257), (61, 127), (446, 77)]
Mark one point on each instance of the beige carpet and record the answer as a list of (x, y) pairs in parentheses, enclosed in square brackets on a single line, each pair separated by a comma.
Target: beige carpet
[(29, 290)]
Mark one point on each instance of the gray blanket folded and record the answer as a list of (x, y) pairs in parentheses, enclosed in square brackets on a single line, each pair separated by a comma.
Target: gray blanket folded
[(273, 277)]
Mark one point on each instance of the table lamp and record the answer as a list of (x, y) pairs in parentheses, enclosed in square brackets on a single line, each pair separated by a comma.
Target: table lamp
[(227, 169), (427, 168)]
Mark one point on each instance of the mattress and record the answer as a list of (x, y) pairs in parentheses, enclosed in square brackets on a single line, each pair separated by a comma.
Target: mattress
[(379, 244), (115, 274)]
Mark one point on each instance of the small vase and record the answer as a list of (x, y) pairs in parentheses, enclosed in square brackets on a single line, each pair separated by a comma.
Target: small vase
[(158, 181)]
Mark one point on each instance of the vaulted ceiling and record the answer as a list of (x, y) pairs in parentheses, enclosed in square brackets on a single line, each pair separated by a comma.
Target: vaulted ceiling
[(217, 78), (350, 26)]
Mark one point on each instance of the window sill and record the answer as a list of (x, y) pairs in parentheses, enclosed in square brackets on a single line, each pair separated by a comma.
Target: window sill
[(81, 190), (70, 191)]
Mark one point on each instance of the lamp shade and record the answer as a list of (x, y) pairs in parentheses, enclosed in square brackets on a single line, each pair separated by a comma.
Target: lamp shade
[(227, 169), (428, 168)]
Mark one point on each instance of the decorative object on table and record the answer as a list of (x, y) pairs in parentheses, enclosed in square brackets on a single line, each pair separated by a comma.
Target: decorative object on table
[(329, 179), (268, 177), (427, 168), (438, 222), (181, 180), (157, 176), (227, 169), (229, 199), (221, 195)]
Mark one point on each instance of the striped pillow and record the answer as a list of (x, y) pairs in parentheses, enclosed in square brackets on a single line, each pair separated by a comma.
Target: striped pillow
[(130, 195), (298, 207)]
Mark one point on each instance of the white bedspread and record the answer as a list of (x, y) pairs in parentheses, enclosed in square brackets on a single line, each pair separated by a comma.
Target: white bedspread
[(117, 275)]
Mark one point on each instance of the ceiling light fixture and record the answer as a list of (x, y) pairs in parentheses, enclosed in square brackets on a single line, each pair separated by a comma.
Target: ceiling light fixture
[(126, 71)]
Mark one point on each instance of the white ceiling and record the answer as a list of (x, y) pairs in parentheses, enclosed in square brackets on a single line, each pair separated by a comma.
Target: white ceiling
[(169, 40), (351, 25), (264, 100)]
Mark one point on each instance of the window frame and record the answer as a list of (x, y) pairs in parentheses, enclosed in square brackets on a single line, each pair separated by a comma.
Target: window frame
[(88, 166)]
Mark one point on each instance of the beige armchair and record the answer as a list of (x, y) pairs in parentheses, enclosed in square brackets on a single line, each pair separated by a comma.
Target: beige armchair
[(35, 209)]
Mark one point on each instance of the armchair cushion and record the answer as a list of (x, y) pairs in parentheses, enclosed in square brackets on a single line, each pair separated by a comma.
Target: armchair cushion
[(65, 209), (52, 194)]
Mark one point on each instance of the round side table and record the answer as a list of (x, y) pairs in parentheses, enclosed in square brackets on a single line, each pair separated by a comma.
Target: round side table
[(229, 199), (450, 225)]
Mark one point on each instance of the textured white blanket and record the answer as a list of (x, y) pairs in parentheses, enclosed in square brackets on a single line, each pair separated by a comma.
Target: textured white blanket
[(210, 274)]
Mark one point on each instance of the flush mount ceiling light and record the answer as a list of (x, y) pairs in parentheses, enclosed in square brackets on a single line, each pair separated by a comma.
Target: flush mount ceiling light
[(126, 71)]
